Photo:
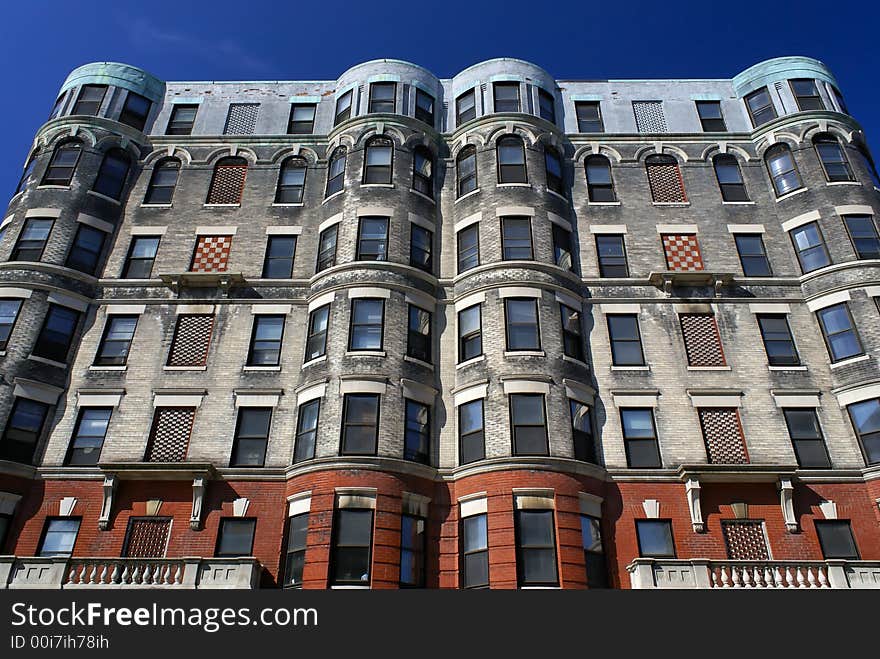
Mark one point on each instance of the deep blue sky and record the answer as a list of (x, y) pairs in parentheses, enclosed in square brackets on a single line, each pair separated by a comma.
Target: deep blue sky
[(318, 39)]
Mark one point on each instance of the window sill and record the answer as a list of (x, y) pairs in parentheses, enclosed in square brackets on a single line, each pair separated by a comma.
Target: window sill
[(672, 204), (513, 185), (469, 362), (104, 197), (316, 360), (850, 360), (260, 368), (842, 183), (737, 203), (333, 196), (787, 368), (185, 368), (469, 194), (364, 353), (423, 196), (349, 587), (604, 203), (48, 362), (156, 205), (414, 360), (524, 353), (566, 358), (117, 369), (790, 194), (221, 205), (708, 368), (53, 187), (2, 353), (299, 205), (630, 368), (556, 194), (389, 186)]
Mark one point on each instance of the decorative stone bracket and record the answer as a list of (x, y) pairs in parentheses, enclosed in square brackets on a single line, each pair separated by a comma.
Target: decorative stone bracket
[(199, 486), (110, 484), (786, 501), (692, 489)]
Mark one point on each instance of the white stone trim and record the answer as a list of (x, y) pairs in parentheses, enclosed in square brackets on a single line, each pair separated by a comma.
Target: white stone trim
[(579, 392), (469, 301), (526, 387), (310, 393), (508, 211), (414, 504), (854, 209), (23, 293), (256, 400), (467, 221), (368, 291), (418, 391), (177, 400), (559, 220), (98, 400), (469, 394), (746, 228), (420, 300), (858, 394), (519, 291), (66, 506), (423, 222), (321, 300), (377, 211), (361, 387), (283, 231), (677, 228), (95, 223), (48, 213), (651, 508), (784, 399), (68, 301), (608, 228), (800, 220), (473, 504), (356, 497), (299, 503), (828, 300), (193, 309), (569, 301), (707, 399), (870, 291), (590, 504), (262, 309), (124, 309), (769, 307), (329, 222), (620, 308), (216, 231), (5, 223), (148, 231), (635, 399), (44, 393), (534, 499), (829, 509)]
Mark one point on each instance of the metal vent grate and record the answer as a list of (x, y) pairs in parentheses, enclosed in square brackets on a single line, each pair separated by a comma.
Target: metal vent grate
[(169, 437), (227, 184), (212, 254), (745, 540), (649, 116), (701, 340), (147, 538), (722, 433), (242, 119), (667, 186), (682, 252), (192, 338)]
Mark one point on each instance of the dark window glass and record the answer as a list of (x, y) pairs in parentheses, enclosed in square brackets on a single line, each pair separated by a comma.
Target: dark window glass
[(116, 341), (594, 554), (280, 251), (839, 332), (640, 438), (382, 97), (88, 436), (32, 240), (336, 172), (778, 341), (378, 156), (506, 96), (868, 162), (589, 117), (612, 256), (86, 249), (89, 100), (424, 107), (711, 118), (553, 167), (316, 342), (562, 248), (291, 181), (511, 160), (626, 342), (59, 537), (56, 111), (536, 548), (302, 119), (546, 106), (729, 178), (266, 340), (112, 175), (297, 534), (343, 107), (352, 545), (836, 539), (57, 333), (468, 248), (372, 239), (251, 436), (5, 524), (307, 430), (809, 244), (23, 430), (582, 431), (8, 315), (417, 432), (420, 248), (471, 437), (760, 107), (834, 161), (141, 254), (655, 538), (866, 420), (327, 248), (807, 95), (465, 107), (475, 552), (418, 342), (516, 238), (182, 119), (783, 170), (521, 317), (466, 170), (806, 437), (863, 233), (423, 172), (838, 98), (470, 333), (413, 536), (163, 182), (63, 164), (236, 537), (26, 174), (360, 424), (572, 339), (528, 424), (600, 185), (367, 316), (752, 255), (135, 111)]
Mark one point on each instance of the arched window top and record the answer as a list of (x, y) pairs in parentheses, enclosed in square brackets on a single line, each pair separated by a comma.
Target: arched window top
[(163, 181), (833, 158), (112, 174), (725, 159), (511, 160), (778, 149), (660, 159), (782, 168), (600, 185), (63, 163), (294, 162), (379, 140), (338, 152), (466, 151), (232, 161)]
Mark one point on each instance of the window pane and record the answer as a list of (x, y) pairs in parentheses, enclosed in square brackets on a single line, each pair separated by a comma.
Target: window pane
[(236, 537), (655, 538), (476, 533), (836, 539), (59, 537)]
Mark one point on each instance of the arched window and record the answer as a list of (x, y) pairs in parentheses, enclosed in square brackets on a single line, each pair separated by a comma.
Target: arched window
[(466, 170), (163, 182), (336, 171), (664, 178), (291, 181), (63, 164), (782, 168), (600, 185), (423, 171), (553, 165), (730, 178), (112, 174), (227, 183), (378, 155), (26, 174), (833, 158), (511, 154)]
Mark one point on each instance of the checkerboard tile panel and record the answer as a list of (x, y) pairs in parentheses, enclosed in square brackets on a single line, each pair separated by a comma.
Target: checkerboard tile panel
[(242, 119), (702, 342), (192, 338), (745, 540), (169, 438), (212, 254), (227, 184), (666, 183), (682, 252), (649, 116), (147, 538), (722, 433)]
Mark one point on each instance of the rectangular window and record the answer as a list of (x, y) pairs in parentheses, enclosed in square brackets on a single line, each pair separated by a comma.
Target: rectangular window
[(307, 430), (295, 561), (251, 437), (810, 246), (135, 111), (471, 437), (316, 342), (424, 107), (655, 538), (836, 539), (302, 119), (711, 118), (546, 106), (211, 254), (863, 234), (86, 249), (470, 333), (582, 432), (8, 315), (343, 107), (562, 248), (417, 437), (516, 238), (350, 555), (116, 341), (506, 96), (536, 548), (589, 117), (640, 438), (752, 255), (191, 341), (327, 248), (360, 424), (280, 251), (367, 319), (182, 119), (140, 258), (241, 119), (572, 336), (594, 554), (611, 251), (806, 438), (465, 107), (468, 248), (865, 418), (649, 116), (839, 332), (418, 343), (57, 333), (528, 424), (59, 537), (23, 430), (169, 434), (760, 107), (88, 436), (265, 349), (778, 340), (521, 319), (626, 341), (420, 248), (32, 240), (723, 435), (806, 94), (89, 100), (372, 239), (382, 96), (413, 541), (235, 537), (475, 551), (702, 343)]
